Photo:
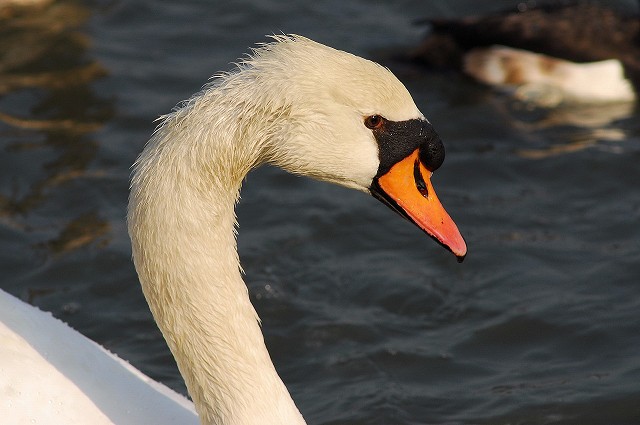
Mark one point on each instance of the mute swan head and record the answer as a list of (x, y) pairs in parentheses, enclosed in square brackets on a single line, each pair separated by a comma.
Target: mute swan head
[(357, 125)]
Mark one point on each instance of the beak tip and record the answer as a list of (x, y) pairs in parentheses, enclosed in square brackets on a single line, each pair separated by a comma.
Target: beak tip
[(459, 249)]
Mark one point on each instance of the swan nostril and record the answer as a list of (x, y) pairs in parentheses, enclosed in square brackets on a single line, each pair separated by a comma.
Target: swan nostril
[(432, 152), (420, 183)]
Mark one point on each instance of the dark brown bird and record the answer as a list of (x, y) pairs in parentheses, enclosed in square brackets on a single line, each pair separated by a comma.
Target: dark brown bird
[(579, 32)]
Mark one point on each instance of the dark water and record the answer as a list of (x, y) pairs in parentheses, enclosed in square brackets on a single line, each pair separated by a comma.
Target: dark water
[(367, 320)]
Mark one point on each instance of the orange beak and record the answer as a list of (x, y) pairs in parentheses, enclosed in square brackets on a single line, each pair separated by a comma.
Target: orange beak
[(407, 189)]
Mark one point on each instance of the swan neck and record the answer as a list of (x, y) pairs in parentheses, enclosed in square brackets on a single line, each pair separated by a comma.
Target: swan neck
[(182, 225)]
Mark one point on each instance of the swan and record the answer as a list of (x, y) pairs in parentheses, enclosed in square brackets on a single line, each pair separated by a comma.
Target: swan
[(305, 107), (577, 51)]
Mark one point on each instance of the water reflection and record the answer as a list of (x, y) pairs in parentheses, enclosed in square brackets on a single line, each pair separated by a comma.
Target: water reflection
[(48, 108), (83, 230), (570, 128)]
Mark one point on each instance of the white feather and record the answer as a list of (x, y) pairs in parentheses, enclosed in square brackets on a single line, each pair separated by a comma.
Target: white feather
[(50, 374)]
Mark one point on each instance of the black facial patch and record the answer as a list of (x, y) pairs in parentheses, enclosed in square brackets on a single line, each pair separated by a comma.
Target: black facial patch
[(397, 139)]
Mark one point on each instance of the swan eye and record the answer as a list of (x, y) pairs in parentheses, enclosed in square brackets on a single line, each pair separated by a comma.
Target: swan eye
[(374, 121)]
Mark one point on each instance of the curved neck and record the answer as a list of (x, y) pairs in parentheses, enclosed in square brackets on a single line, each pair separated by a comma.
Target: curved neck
[(181, 222)]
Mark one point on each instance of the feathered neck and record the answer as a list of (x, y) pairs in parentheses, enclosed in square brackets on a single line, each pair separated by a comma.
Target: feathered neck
[(182, 227)]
